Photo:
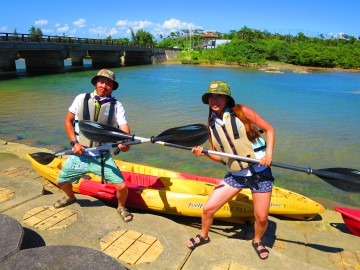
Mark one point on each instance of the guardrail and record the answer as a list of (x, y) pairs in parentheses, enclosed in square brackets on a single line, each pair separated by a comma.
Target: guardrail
[(62, 39)]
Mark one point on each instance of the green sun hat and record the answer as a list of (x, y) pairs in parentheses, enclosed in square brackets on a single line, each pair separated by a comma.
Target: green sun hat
[(219, 88), (107, 74)]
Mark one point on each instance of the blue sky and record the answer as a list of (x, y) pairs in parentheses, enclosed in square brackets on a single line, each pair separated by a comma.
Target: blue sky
[(92, 19)]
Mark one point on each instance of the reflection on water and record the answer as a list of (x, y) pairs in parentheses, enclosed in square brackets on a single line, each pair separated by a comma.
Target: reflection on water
[(21, 69), (316, 116)]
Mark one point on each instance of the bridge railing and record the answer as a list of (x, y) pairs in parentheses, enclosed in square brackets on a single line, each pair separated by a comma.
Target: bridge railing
[(61, 39)]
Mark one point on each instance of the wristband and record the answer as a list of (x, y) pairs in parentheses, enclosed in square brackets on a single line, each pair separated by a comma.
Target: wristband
[(72, 143)]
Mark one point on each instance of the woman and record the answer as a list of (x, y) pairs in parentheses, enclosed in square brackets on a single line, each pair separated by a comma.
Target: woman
[(234, 129)]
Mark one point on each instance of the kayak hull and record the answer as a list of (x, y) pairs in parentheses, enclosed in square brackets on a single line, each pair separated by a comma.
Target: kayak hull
[(172, 192), (351, 219)]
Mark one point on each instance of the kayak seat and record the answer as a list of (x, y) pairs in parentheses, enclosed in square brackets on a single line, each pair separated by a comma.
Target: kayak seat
[(143, 180)]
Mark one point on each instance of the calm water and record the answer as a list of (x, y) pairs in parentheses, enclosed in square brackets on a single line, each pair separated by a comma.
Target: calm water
[(316, 116)]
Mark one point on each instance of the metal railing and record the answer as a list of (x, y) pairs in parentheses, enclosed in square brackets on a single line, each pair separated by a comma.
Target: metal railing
[(63, 39)]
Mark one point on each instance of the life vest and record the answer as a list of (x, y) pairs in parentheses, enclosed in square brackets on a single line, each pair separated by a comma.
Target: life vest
[(86, 111), (232, 138)]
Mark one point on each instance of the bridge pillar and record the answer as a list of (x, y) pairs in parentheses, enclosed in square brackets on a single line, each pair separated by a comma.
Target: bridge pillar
[(137, 58), (7, 60), (43, 62), (105, 59), (77, 58)]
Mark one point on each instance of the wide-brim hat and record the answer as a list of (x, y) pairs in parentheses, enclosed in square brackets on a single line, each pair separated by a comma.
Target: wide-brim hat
[(219, 88), (107, 74)]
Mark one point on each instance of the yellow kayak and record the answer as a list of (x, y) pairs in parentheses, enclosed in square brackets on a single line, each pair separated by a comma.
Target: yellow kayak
[(284, 202), (172, 192), (162, 194)]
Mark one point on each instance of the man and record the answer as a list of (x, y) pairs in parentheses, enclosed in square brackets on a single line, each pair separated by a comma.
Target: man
[(101, 107)]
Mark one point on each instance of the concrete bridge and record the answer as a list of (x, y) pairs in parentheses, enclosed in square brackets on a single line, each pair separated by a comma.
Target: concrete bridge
[(46, 54)]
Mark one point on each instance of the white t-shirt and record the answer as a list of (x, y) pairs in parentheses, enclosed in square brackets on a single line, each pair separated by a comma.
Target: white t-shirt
[(119, 109), (119, 113)]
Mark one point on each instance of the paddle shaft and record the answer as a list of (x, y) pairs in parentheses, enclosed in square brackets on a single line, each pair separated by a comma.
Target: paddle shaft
[(98, 148), (308, 170)]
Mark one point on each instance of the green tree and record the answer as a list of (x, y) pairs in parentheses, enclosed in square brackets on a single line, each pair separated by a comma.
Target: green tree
[(35, 31), (142, 38)]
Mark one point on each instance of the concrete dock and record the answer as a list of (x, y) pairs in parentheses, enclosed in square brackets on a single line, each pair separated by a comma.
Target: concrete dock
[(90, 235)]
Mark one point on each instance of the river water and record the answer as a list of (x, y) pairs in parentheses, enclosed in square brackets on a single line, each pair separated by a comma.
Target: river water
[(316, 116)]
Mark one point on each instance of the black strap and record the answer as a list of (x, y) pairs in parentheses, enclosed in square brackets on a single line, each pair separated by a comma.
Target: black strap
[(102, 168), (112, 111), (86, 112), (233, 125), (260, 148)]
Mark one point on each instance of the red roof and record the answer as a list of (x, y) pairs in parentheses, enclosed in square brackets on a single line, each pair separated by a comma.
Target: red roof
[(209, 35)]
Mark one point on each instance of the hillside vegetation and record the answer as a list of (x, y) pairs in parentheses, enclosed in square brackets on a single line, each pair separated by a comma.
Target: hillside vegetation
[(248, 47)]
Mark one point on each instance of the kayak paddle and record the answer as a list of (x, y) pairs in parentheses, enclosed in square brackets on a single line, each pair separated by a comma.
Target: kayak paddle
[(45, 158), (350, 178), (345, 179), (190, 135), (186, 136)]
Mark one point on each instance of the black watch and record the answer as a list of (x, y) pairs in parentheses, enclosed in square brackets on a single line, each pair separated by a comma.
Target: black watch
[(72, 143)]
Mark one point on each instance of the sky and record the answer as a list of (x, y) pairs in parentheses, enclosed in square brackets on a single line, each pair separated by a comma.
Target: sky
[(99, 19)]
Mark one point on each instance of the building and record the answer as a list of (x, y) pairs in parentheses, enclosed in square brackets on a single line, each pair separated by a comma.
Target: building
[(211, 41)]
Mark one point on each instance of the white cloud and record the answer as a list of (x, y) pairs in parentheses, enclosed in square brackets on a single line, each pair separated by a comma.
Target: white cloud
[(41, 22), (137, 25), (156, 29), (175, 25), (80, 23), (47, 31), (4, 29), (337, 35), (62, 29), (113, 31), (120, 29), (103, 32), (122, 24)]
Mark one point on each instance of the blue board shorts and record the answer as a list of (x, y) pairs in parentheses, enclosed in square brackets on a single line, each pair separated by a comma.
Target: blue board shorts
[(261, 182), (76, 166)]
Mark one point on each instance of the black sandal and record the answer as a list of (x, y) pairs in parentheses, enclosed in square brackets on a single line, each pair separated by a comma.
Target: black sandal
[(197, 244), (260, 251)]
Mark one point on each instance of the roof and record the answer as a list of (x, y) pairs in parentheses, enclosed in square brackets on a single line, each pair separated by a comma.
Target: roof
[(209, 35)]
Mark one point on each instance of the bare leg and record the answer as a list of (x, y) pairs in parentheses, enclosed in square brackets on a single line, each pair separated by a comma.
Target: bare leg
[(121, 195), (261, 212), (221, 195), (67, 188)]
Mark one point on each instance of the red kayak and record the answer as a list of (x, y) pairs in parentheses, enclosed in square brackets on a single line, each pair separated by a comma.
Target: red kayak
[(351, 219)]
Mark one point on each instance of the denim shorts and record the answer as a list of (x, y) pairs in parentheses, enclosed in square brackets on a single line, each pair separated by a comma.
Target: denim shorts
[(75, 166), (261, 182)]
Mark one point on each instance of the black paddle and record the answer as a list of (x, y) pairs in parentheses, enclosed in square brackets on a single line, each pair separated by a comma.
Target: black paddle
[(345, 179), (45, 158), (186, 136)]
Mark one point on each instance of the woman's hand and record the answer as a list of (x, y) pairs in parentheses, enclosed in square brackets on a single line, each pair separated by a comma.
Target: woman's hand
[(265, 161), (198, 151)]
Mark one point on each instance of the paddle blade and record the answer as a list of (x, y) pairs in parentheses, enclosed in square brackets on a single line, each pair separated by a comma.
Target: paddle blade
[(43, 157), (190, 135), (345, 179), (102, 133)]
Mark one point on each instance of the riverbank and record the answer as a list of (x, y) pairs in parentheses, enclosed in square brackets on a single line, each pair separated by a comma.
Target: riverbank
[(90, 227), (270, 67)]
